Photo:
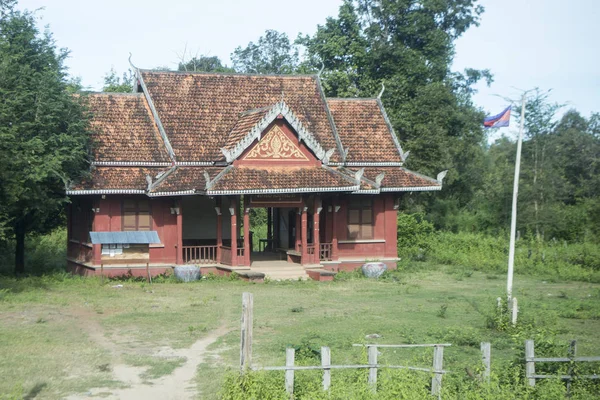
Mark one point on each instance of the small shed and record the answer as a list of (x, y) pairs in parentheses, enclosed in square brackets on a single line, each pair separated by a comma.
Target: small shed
[(131, 247)]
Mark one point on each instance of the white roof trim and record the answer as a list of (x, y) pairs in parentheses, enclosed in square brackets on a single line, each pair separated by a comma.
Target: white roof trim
[(130, 164), (194, 163), (176, 193), (105, 191), (277, 191), (411, 189), (279, 108), (368, 164)]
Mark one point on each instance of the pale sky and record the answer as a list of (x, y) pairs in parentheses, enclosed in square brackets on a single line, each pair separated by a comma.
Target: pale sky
[(551, 44)]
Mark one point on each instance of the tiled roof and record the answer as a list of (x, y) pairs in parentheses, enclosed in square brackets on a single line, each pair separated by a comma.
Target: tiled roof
[(199, 110), (107, 178), (282, 179), (243, 125), (187, 178), (398, 177), (363, 130), (124, 130)]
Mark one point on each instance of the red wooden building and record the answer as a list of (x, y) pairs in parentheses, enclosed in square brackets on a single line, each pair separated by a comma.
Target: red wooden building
[(189, 154)]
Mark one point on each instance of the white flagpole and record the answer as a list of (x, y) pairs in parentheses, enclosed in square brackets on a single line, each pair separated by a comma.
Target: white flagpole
[(513, 219)]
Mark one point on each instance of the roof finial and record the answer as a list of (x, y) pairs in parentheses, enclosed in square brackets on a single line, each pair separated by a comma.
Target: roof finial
[(322, 68), (130, 63), (282, 96), (382, 90)]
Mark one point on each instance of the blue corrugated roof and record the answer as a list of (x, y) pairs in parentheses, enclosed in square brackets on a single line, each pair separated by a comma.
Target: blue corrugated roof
[(130, 237)]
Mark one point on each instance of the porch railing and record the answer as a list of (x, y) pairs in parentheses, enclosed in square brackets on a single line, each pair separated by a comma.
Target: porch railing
[(226, 255), (199, 254), (325, 251), (240, 252)]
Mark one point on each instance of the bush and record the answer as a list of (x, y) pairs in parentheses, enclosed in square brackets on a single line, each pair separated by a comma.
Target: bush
[(414, 236), (43, 253)]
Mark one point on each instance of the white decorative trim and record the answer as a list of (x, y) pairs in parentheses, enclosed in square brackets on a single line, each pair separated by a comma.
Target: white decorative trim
[(218, 210), (337, 208), (366, 191), (232, 211), (194, 163), (130, 164), (441, 176), (411, 189), (367, 164), (105, 191), (278, 191), (391, 130), (379, 179), (175, 193), (319, 209), (282, 109)]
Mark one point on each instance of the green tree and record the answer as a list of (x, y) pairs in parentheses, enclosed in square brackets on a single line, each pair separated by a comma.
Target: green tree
[(409, 46), (204, 64), (43, 128), (112, 82), (272, 54)]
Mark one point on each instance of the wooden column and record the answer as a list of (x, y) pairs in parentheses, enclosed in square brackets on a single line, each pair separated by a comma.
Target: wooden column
[(234, 230), (298, 229), (246, 232), (334, 239), (316, 235), (304, 222), (219, 211), (179, 233)]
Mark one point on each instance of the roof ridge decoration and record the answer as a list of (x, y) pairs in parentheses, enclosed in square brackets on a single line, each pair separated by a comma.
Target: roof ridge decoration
[(210, 184), (403, 155), (159, 124), (280, 108), (162, 175), (336, 136)]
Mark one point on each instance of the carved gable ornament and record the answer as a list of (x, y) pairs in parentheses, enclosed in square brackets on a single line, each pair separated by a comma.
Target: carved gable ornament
[(276, 146)]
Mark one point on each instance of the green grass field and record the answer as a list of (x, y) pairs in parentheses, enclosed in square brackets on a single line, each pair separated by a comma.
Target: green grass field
[(61, 335)]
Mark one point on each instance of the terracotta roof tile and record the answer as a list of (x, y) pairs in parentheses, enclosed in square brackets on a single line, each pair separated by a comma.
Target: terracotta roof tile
[(124, 129), (243, 125), (238, 179), (118, 178), (187, 178), (398, 177), (199, 110), (363, 130)]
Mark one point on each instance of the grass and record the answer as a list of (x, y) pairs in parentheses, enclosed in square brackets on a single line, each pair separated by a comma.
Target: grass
[(60, 334)]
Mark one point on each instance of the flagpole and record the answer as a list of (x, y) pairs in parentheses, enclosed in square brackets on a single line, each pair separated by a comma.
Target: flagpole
[(513, 219)]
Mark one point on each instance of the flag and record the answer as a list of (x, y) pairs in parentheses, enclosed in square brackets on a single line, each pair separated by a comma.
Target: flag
[(497, 121)]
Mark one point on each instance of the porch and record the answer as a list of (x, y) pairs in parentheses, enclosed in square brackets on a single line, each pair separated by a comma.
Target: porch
[(293, 233)]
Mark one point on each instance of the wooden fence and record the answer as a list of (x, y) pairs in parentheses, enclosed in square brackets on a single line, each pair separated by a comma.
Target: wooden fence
[(531, 359), (372, 366), (325, 251)]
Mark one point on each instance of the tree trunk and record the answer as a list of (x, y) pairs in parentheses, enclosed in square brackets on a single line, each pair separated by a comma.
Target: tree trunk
[(20, 247)]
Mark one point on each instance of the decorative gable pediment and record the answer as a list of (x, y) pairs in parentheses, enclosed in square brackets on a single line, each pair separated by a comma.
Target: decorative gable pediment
[(279, 111), (275, 145)]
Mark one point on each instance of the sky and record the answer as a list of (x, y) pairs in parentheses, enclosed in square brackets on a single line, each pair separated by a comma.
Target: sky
[(550, 44)]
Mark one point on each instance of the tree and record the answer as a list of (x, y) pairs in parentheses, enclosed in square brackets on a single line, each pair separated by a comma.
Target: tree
[(204, 64), (112, 82), (273, 54), (409, 46), (43, 128)]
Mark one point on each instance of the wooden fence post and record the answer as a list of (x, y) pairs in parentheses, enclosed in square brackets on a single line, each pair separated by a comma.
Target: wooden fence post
[(515, 311), (246, 331), (529, 363), (290, 354), (438, 362), (486, 350), (572, 354), (326, 362), (372, 359)]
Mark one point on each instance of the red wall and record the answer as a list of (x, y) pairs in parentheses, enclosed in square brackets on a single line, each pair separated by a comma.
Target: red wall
[(108, 219)]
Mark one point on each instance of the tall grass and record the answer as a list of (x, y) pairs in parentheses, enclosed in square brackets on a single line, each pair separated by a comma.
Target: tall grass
[(417, 241), (43, 253)]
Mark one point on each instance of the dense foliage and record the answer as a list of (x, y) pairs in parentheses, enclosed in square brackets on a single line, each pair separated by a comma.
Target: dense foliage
[(43, 129)]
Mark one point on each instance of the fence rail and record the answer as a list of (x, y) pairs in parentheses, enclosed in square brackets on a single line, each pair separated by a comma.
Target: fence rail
[(199, 254), (373, 366), (530, 361)]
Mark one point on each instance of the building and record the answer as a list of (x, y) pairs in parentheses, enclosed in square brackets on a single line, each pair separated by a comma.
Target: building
[(189, 154)]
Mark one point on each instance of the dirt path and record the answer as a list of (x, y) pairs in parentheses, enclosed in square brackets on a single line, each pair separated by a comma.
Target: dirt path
[(177, 386)]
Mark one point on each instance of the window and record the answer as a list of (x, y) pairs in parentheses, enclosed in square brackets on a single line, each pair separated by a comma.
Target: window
[(136, 215), (360, 218)]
